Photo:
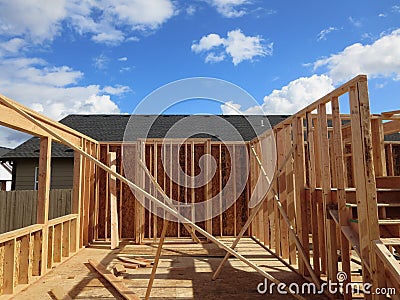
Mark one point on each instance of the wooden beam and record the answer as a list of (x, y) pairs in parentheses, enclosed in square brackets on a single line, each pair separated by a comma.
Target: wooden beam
[(390, 241), (365, 181), (112, 158), (117, 283), (19, 122), (157, 259), (391, 127), (390, 113)]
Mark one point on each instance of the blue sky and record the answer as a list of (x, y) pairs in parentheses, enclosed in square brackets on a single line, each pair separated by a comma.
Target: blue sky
[(61, 57)]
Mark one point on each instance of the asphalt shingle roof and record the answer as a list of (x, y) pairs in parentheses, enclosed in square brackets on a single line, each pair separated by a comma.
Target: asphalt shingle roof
[(4, 150), (111, 128)]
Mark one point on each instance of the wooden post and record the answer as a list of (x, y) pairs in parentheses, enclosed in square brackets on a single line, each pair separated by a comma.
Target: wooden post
[(66, 234), (390, 165), (208, 186), (157, 259), (25, 261), (43, 196), (290, 193), (312, 193), (44, 180), (378, 144), (301, 204), (86, 177), (57, 242), (76, 199), (343, 211), (9, 267), (284, 231), (92, 194), (96, 208), (365, 184), (330, 225), (112, 158), (155, 172), (220, 189)]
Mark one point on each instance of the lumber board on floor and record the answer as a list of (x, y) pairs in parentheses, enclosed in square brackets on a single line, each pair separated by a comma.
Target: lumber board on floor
[(59, 294), (117, 283)]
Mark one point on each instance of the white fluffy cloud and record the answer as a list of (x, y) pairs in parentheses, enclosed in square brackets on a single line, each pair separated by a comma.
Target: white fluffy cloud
[(379, 59), (53, 91), (289, 99), (113, 15), (230, 8), (11, 47), (208, 42), (41, 20), (237, 45), (38, 20)]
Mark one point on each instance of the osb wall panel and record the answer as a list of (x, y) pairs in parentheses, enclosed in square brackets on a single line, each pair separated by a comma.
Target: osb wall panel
[(188, 158)]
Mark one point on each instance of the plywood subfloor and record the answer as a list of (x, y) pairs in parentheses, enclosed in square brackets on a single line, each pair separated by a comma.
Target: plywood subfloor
[(184, 272)]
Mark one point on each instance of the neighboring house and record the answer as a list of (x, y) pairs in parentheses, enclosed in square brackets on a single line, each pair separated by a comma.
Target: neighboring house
[(111, 128), (5, 171)]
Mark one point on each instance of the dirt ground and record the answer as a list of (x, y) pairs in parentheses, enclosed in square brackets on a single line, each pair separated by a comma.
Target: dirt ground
[(184, 272)]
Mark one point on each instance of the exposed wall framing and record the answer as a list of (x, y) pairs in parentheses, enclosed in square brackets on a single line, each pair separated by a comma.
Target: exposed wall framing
[(334, 189), (343, 196), (188, 154)]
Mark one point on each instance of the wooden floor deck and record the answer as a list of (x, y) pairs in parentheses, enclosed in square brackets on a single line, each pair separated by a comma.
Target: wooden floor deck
[(184, 272)]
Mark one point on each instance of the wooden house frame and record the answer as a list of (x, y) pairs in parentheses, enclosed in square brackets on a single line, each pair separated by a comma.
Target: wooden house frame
[(311, 183)]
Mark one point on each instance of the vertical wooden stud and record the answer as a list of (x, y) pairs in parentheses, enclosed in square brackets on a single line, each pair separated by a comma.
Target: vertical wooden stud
[(365, 182), (9, 267), (77, 199), (66, 239), (112, 157), (312, 195), (378, 144), (44, 195), (301, 205), (330, 225), (343, 211)]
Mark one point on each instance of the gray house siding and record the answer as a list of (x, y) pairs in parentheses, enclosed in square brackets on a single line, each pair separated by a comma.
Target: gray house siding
[(61, 177)]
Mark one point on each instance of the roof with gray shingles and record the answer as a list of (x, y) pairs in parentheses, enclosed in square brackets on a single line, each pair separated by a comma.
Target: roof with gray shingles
[(111, 128), (4, 150)]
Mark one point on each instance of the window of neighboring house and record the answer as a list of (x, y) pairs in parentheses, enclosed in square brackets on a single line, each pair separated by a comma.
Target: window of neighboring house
[(36, 178)]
